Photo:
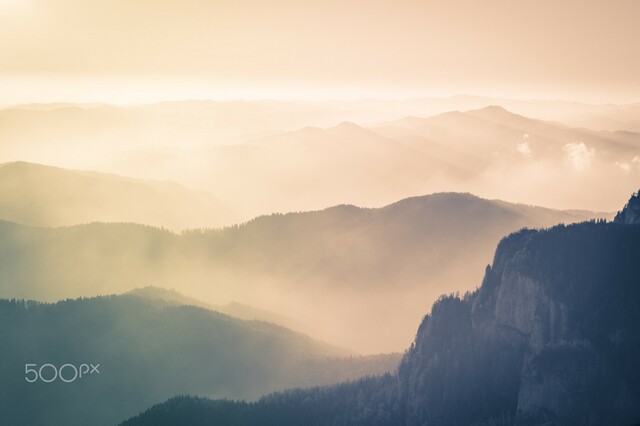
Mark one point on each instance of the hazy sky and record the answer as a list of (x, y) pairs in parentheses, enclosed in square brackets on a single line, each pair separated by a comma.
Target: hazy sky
[(129, 50)]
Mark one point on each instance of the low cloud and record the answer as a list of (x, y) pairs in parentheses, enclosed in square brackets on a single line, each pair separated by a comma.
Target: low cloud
[(624, 166), (578, 155), (524, 148)]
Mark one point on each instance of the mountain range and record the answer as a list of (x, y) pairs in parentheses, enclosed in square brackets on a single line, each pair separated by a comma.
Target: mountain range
[(292, 300), (39, 195), (347, 275), (259, 158), (488, 151), (550, 337)]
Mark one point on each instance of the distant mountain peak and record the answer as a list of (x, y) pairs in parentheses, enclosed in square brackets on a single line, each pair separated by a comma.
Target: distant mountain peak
[(346, 125), (630, 214), (500, 115), (347, 128), (496, 108), (164, 294), (493, 111), (24, 165)]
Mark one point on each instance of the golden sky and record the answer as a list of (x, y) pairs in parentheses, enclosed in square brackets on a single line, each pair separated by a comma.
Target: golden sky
[(583, 50)]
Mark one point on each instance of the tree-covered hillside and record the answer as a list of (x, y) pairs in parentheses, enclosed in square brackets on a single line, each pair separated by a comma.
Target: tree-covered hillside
[(149, 350)]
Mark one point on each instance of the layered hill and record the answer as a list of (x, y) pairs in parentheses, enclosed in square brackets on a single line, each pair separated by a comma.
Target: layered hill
[(550, 337), (149, 349), (258, 157), (39, 195), (490, 151), (505, 155), (304, 169), (233, 308), (355, 277)]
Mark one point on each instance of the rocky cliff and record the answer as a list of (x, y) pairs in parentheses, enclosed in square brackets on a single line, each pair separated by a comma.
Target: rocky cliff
[(551, 336), (630, 214)]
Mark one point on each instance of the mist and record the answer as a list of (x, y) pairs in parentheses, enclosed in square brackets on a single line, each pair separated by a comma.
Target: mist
[(258, 158), (357, 278), (434, 202)]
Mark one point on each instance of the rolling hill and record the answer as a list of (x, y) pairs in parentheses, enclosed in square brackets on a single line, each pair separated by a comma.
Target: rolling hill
[(232, 309), (149, 349), (38, 195)]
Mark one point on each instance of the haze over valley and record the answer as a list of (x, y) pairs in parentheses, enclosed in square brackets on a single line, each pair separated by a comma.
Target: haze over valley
[(316, 159), (319, 213), (351, 276)]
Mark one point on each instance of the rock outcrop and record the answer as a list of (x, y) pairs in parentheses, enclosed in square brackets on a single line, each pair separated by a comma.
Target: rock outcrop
[(630, 214), (559, 310)]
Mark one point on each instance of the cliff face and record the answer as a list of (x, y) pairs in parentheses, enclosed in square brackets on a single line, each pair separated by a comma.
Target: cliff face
[(630, 215), (551, 336)]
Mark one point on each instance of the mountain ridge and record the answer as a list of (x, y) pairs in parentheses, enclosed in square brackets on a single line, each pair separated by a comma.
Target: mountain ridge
[(233, 309), (312, 263), (550, 337), (42, 195)]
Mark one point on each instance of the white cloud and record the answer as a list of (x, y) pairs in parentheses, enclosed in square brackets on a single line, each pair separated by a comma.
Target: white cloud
[(524, 148), (578, 155), (624, 166), (628, 166)]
